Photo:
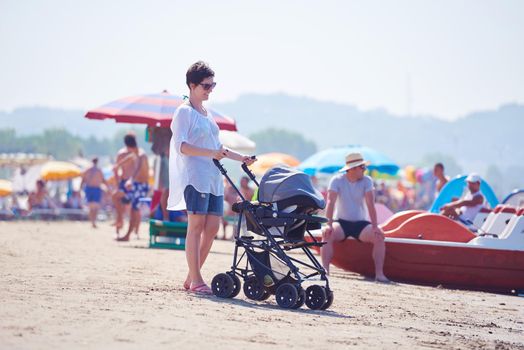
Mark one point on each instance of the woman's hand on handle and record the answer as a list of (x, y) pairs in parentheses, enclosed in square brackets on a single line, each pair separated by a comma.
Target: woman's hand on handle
[(220, 153), (248, 160), (227, 153)]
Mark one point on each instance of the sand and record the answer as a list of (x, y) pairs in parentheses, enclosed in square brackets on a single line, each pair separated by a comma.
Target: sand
[(67, 286)]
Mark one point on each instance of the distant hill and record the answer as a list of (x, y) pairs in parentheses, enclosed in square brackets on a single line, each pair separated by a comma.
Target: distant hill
[(28, 121), (476, 141)]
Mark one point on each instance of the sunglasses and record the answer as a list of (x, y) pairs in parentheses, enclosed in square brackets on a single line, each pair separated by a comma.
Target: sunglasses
[(208, 86), (363, 167)]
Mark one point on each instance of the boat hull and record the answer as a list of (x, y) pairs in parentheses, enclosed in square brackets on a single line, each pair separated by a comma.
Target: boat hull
[(437, 263)]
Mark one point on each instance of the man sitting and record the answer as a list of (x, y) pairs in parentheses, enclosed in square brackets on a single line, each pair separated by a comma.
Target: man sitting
[(350, 192), (466, 208)]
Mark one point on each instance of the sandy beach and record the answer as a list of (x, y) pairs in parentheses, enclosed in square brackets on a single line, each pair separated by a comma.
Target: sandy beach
[(67, 286)]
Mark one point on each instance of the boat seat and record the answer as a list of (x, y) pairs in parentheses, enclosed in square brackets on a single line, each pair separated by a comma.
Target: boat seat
[(512, 238), (430, 226), (515, 226), (481, 217), (497, 220), (491, 216), (398, 219)]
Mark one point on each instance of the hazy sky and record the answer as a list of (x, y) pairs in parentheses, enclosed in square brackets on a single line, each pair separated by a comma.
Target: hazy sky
[(447, 57)]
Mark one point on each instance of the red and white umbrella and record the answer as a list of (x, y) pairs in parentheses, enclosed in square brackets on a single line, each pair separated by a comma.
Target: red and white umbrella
[(153, 110)]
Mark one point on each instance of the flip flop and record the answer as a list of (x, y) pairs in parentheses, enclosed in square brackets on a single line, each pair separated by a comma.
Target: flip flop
[(201, 289)]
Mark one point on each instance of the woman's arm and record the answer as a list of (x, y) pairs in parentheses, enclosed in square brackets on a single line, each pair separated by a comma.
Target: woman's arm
[(190, 150), (239, 157)]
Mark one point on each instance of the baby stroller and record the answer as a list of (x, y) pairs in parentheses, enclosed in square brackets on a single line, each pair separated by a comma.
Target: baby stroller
[(269, 229)]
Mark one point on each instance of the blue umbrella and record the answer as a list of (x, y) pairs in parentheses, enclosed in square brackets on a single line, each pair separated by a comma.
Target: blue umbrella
[(333, 159)]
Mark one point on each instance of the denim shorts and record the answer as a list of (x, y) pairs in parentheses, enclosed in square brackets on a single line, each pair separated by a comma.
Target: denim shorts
[(203, 203)]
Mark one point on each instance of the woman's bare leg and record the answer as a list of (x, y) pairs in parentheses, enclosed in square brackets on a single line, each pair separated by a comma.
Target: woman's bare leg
[(195, 228), (211, 225)]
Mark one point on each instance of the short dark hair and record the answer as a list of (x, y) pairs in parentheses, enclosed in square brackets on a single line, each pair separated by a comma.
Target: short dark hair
[(198, 72), (130, 140), (439, 165)]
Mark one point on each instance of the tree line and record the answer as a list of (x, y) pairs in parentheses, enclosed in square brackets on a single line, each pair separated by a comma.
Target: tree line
[(63, 145)]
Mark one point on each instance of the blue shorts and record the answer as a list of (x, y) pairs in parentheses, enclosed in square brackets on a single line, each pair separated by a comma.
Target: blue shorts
[(127, 198), (93, 194), (203, 203), (139, 190)]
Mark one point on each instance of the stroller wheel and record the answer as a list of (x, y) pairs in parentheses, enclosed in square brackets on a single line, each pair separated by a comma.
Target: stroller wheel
[(301, 298), (236, 282), (287, 295), (315, 297), (253, 289), (264, 296), (223, 285), (329, 301)]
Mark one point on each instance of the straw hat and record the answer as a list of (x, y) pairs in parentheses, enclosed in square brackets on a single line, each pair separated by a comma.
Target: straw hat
[(354, 160)]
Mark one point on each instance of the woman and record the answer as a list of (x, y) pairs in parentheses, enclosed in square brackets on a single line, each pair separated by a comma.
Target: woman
[(195, 183)]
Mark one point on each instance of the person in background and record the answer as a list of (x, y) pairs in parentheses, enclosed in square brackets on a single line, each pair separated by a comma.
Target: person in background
[(136, 186), (466, 208), (74, 201), (40, 199), (247, 192), (122, 171), (161, 138), (442, 179), (92, 180), (346, 214), (230, 198)]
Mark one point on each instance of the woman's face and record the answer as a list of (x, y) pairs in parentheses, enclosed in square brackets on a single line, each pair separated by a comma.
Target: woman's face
[(202, 90)]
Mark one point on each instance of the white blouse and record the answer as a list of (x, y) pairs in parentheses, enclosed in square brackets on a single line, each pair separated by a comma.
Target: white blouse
[(196, 129)]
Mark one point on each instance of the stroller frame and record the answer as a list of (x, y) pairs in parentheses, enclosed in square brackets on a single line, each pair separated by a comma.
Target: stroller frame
[(254, 260)]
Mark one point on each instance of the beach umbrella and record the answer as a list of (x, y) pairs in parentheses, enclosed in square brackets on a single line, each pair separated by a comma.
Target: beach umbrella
[(268, 160), (236, 141), (153, 110), (6, 188), (333, 159), (56, 171)]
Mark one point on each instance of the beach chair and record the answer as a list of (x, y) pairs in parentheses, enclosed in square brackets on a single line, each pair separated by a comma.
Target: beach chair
[(168, 235)]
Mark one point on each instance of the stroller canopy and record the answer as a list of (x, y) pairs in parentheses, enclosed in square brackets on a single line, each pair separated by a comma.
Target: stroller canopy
[(280, 183)]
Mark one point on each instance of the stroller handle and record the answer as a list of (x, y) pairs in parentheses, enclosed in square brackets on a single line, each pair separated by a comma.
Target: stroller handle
[(249, 173), (219, 166), (224, 172)]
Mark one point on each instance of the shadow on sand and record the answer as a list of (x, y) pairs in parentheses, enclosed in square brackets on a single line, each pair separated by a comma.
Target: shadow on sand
[(268, 305)]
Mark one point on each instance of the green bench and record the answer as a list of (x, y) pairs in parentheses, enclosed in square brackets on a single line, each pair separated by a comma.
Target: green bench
[(167, 235)]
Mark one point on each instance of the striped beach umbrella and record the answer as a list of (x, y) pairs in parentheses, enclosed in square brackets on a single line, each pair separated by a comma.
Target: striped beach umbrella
[(153, 110)]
